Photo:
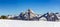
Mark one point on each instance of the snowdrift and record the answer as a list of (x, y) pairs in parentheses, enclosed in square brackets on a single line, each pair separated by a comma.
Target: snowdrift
[(19, 23)]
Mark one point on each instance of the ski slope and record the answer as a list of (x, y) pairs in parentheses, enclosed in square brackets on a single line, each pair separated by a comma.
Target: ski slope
[(19, 23)]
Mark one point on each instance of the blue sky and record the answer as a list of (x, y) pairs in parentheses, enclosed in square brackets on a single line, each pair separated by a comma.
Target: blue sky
[(12, 7)]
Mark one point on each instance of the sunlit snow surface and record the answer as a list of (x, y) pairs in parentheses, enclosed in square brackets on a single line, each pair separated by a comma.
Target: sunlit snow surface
[(19, 23)]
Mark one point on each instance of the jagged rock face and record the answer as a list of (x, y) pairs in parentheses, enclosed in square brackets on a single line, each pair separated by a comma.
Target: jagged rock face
[(50, 16), (54, 17), (29, 14), (22, 15), (58, 15)]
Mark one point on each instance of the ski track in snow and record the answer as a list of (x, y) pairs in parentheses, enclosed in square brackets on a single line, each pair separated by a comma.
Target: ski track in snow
[(19, 23)]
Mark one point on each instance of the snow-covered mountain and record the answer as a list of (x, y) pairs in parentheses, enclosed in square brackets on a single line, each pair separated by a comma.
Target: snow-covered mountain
[(30, 15)]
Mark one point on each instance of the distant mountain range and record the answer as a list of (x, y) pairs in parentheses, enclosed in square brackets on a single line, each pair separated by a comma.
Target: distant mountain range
[(29, 15)]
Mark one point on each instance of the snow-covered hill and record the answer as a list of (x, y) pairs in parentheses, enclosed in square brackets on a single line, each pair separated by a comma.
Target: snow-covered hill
[(19, 23)]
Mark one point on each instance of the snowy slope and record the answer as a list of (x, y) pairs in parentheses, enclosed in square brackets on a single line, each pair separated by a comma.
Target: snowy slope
[(19, 23)]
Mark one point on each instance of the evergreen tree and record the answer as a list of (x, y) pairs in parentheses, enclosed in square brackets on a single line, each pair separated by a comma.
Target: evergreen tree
[(3, 17)]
